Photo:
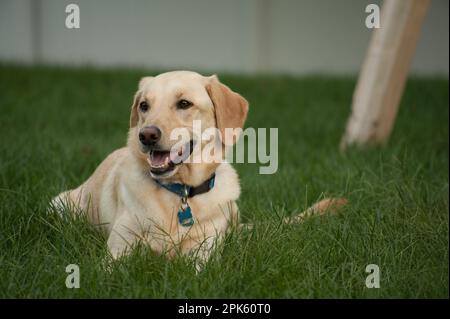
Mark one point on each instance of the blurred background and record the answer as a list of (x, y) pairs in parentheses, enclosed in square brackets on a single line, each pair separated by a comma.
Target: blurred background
[(58, 123), (252, 36)]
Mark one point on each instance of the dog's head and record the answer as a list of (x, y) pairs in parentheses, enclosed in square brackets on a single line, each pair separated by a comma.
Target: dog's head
[(165, 111)]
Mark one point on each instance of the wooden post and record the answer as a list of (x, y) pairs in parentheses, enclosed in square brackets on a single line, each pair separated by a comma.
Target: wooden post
[(384, 72)]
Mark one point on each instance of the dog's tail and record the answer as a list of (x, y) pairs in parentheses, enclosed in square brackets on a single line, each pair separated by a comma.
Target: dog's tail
[(327, 205)]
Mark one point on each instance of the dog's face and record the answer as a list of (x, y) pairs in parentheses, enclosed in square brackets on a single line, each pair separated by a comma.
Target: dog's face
[(165, 110)]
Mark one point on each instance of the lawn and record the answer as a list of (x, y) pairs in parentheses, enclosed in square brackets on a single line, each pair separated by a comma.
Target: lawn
[(57, 125)]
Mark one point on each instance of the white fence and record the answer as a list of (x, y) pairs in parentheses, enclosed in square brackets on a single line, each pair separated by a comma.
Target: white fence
[(246, 36)]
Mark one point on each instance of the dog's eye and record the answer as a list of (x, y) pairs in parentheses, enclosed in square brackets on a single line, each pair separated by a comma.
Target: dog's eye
[(143, 106), (184, 104)]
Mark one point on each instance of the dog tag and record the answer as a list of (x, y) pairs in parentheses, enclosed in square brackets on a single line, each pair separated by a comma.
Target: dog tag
[(185, 216)]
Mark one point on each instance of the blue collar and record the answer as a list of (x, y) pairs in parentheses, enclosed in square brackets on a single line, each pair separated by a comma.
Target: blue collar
[(184, 191)]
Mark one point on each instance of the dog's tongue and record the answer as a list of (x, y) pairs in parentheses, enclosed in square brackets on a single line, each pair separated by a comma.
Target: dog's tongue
[(159, 158)]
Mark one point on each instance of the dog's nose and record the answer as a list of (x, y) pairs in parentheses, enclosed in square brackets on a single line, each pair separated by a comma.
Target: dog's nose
[(149, 135)]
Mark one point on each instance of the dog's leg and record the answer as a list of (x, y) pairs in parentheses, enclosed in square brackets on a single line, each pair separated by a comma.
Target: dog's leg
[(123, 235), (61, 203), (204, 252), (69, 201), (327, 205)]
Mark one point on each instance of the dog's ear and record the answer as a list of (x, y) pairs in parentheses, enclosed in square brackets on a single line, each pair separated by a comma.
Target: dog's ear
[(145, 81), (134, 117), (230, 108)]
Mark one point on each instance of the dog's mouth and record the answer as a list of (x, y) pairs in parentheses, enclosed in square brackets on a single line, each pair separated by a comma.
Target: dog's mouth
[(164, 161)]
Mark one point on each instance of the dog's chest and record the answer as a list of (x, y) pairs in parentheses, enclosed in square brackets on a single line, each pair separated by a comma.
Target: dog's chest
[(156, 212), (208, 216)]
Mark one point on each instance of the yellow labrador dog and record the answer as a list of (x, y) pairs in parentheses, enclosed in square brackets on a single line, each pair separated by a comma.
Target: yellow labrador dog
[(149, 191)]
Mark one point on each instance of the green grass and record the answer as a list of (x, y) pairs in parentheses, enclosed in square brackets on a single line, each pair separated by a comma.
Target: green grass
[(57, 125)]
